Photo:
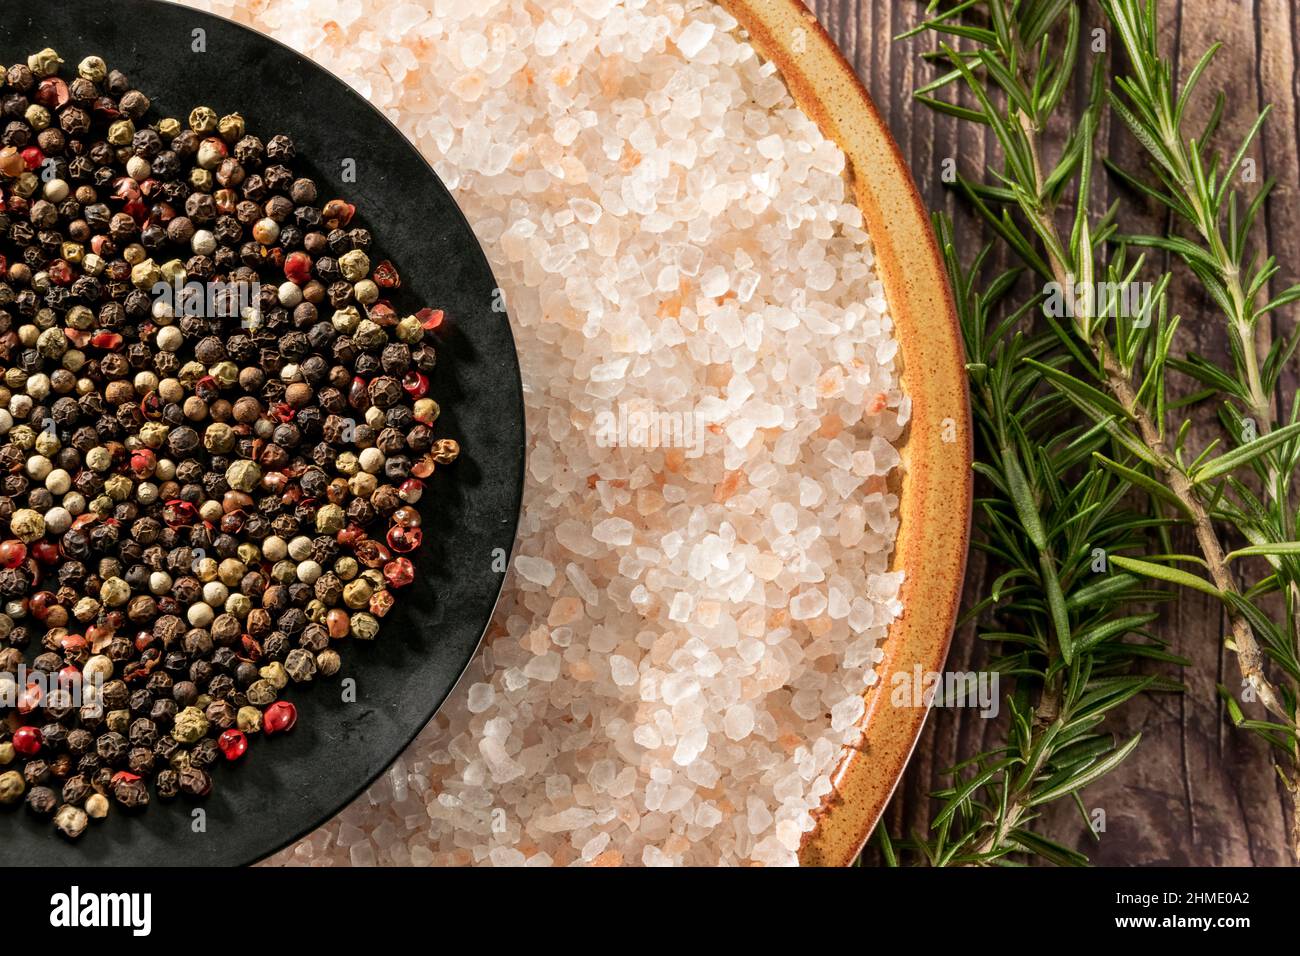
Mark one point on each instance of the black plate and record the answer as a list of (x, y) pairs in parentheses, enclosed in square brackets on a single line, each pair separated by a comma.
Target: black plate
[(287, 785)]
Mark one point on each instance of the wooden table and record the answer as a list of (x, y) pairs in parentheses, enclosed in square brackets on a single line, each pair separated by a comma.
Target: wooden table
[(1197, 791)]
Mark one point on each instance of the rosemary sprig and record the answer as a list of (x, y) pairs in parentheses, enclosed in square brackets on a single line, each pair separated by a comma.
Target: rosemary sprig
[(1047, 514), (1198, 186), (1120, 332), (1048, 528)]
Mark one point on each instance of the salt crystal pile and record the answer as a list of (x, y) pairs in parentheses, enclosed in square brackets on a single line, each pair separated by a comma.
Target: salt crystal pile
[(701, 576)]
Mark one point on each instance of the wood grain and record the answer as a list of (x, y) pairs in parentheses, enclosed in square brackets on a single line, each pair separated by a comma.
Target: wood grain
[(1197, 792)]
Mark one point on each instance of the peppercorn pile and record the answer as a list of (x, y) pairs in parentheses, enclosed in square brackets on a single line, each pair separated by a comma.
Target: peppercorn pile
[(204, 488)]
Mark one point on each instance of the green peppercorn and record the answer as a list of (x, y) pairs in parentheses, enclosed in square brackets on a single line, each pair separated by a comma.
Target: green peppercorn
[(219, 438), (231, 128), (203, 120), (27, 525), (145, 275), (356, 593), (121, 133), (53, 342), (275, 674), (354, 265), (114, 592), (243, 475), (249, 719), (37, 117), (410, 330), (190, 726), (92, 68), (365, 626), (261, 692), (45, 63), (12, 786), (328, 662), (300, 665), (330, 519)]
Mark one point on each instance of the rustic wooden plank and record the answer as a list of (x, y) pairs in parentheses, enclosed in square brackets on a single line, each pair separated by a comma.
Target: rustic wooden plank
[(1197, 791)]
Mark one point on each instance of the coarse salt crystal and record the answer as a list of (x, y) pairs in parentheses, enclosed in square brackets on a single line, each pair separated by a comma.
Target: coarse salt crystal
[(694, 37), (701, 575), (534, 569)]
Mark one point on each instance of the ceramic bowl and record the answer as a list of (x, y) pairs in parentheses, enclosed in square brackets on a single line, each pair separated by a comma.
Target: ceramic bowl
[(935, 484)]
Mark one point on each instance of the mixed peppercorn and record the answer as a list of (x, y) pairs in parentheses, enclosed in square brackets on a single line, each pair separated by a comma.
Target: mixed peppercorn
[(200, 502)]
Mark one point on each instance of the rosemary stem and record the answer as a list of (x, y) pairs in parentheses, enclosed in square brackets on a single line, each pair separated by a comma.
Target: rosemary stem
[(1250, 658), (1045, 712)]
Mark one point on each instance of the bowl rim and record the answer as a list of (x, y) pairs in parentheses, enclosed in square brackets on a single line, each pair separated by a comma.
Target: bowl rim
[(935, 491)]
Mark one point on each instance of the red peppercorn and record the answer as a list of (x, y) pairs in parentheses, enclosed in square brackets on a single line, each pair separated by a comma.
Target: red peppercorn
[(71, 644), (386, 276), (410, 490), (41, 603), (416, 383), (28, 741), (359, 394), (372, 554), (430, 319), (126, 189), (32, 158), (297, 267), (84, 520), (151, 406), (404, 540), (143, 462), (105, 108), (399, 572), (12, 553), (30, 698), (180, 513), (280, 716), (52, 93), (406, 517), (106, 340), (381, 602), (381, 313), (337, 213), (252, 649), (207, 388), (45, 551), (233, 743), (60, 272), (351, 536)]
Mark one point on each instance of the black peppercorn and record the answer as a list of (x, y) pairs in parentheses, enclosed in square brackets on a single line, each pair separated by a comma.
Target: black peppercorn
[(42, 801)]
